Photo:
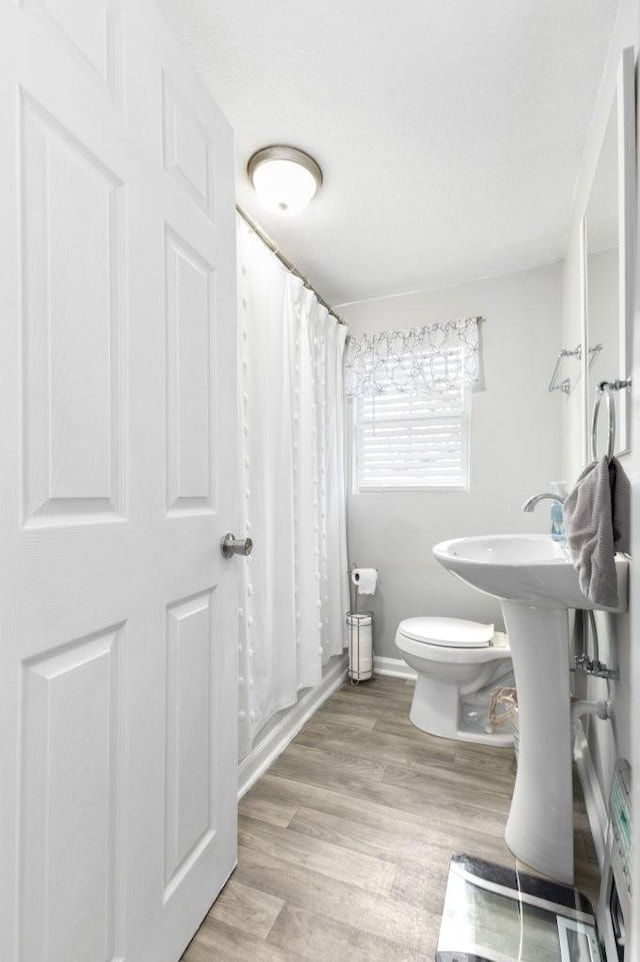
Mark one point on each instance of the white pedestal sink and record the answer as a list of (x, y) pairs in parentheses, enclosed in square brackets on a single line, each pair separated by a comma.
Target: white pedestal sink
[(534, 579)]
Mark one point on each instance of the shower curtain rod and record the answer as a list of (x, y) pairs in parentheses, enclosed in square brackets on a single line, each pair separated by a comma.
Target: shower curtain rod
[(291, 267)]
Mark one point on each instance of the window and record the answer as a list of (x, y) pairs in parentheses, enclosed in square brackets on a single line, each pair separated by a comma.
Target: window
[(413, 441)]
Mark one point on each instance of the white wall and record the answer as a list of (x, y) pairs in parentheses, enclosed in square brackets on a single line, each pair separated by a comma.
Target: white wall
[(634, 471), (607, 741), (515, 447)]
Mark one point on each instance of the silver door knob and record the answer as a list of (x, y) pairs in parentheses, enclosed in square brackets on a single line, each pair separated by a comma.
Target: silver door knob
[(231, 545)]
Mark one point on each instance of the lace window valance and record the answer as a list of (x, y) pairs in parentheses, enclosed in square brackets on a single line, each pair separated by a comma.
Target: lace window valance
[(435, 357)]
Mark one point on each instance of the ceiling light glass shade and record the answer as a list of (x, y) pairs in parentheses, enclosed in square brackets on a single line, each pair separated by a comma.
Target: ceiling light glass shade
[(285, 179)]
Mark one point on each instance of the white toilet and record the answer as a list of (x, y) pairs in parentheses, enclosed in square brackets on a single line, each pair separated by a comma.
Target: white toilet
[(456, 661)]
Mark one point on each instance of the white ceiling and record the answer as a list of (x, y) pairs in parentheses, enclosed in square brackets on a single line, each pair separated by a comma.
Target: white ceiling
[(449, 133)]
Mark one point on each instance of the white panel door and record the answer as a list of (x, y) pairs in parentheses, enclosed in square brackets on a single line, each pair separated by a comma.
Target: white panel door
[(117, 452)]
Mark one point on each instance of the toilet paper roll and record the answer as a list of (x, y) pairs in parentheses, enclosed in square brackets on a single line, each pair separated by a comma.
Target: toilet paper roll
[(365, 580)]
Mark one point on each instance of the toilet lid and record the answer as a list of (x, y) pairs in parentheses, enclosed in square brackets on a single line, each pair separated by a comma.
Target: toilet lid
[(448, 632)]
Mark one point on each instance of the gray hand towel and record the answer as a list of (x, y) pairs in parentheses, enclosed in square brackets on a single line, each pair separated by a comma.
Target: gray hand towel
[(596, 517), (620, 507)]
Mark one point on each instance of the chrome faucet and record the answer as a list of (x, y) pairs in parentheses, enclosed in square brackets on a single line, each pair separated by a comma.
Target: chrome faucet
[(532, 502)]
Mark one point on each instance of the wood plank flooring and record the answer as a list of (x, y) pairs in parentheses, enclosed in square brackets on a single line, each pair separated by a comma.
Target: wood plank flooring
[(345, 842)]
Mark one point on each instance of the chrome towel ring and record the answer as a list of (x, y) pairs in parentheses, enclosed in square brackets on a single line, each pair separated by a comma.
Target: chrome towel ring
[(605, 390)]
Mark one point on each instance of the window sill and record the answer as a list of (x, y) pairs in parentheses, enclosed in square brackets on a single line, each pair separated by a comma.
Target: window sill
[(415, 489)]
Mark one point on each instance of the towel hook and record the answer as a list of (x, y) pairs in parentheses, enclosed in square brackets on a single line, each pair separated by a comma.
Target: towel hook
[(605, 389)]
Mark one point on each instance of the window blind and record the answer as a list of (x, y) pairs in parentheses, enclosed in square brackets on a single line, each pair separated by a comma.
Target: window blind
[(413, 440)]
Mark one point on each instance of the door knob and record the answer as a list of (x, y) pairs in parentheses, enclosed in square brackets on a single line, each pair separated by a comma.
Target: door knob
[(231, 545)]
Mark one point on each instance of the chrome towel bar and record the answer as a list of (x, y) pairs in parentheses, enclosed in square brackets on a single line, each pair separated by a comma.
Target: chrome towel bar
[(605, 390), (565, 385)]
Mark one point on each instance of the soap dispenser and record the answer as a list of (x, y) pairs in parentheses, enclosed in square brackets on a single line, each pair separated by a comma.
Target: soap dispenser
[(557, 515)]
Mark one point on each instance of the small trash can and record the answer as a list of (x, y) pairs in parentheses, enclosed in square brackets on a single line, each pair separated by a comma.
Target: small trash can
[(503, 708), (360, 645), (515, 728)]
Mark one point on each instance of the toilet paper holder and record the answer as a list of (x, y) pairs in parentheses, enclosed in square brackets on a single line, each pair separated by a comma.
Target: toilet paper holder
[(353, 588), (360, 628)]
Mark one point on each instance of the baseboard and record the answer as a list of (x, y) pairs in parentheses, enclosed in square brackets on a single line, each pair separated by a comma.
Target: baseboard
[(594, 800), (265, 753), (393, 667)]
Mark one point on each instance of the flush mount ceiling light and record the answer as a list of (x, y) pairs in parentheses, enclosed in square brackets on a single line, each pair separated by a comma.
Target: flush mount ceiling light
[(285, 178)]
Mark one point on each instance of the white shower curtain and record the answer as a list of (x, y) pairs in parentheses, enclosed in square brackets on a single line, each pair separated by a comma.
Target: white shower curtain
[(294, 587)]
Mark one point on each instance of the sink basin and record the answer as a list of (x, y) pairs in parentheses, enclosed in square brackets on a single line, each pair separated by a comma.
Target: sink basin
[(536, 583), (528, 569)]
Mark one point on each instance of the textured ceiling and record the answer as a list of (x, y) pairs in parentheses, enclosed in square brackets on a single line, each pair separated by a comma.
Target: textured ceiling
[(449, 133)]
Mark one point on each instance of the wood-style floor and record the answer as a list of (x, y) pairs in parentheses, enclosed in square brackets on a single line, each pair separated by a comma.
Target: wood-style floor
[(345, 841)]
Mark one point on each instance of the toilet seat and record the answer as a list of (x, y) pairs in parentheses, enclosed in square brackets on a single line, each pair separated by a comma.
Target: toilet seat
[(447, 632)]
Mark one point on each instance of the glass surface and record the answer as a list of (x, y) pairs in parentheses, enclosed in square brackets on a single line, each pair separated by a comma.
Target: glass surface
[(484, 918), (602, 274), (609, 231), (578, 942)]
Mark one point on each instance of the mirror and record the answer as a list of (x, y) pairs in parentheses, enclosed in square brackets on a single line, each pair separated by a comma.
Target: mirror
[(608, 239), (602, 268)]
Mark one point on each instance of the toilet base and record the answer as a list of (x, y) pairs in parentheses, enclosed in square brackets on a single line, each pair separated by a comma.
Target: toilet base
[(436, 709)]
